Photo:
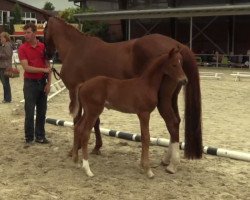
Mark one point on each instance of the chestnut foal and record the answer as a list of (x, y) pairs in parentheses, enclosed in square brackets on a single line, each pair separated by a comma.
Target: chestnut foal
[(136, 95)]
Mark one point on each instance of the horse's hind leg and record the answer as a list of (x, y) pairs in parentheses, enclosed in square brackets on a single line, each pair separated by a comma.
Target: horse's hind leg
[(167, 106), (98, 142), (145, 139)]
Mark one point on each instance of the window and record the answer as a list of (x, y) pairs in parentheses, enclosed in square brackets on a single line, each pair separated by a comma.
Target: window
[(4, 17), (29, 17), (1, 18), (33, 15), (25, 21)]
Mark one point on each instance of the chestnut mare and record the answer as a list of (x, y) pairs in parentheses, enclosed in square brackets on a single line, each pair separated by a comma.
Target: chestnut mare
[(137, 95), (84, 57)]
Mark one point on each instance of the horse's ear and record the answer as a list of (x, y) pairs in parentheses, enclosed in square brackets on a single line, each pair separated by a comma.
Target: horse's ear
[(175, 50), (178, 48)]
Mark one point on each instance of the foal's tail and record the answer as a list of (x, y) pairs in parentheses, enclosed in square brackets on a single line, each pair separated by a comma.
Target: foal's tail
[(74, 106), (193, 112)]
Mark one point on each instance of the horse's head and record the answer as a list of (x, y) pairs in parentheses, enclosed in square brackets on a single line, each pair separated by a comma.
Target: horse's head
[(174, 66), (50, 48)]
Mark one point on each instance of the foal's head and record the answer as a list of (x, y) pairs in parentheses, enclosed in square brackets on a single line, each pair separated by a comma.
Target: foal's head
[(50, 48), (174, 66)]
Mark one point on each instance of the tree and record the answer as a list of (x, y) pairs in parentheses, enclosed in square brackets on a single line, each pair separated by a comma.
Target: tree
[(68, 14), (16, 18), (17, 14), (48, 6), (90, 27)]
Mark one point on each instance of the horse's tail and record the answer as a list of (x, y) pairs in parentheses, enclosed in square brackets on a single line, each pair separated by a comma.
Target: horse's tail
[(193, 111), (74, 106)]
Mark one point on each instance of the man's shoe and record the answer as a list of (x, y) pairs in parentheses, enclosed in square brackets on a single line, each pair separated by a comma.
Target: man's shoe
[(3, 101), (28, 143), (42, 141)]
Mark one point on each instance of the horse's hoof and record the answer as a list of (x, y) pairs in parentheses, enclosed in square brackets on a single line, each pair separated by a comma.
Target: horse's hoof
[(171, 169), (75, 159), (96, 152), (70, 153)]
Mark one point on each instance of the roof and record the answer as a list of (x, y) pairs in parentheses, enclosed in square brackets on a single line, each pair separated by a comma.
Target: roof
[(223, 10)]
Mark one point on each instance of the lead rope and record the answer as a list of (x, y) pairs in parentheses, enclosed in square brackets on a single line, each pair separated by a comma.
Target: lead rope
[(55, 72)]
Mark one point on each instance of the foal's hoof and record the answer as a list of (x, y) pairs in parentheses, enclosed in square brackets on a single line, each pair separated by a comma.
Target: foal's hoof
[(89, 174), (150, 174), (96, 152)]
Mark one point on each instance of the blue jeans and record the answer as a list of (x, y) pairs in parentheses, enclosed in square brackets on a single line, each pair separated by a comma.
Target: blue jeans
[(35, 99), (6, 86)]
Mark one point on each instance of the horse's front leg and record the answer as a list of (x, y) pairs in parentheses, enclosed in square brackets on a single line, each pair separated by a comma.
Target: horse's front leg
[(167, 106), (145, 139), (98, 142)]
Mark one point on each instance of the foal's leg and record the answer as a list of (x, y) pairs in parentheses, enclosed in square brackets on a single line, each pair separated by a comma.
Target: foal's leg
[(75, 121), (145, 139), (167, 106), (86, 130), (98, 142), (77, 139)]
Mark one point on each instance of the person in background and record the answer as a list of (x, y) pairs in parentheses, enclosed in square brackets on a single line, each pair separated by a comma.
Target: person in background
[(37, 80), (5, 62)]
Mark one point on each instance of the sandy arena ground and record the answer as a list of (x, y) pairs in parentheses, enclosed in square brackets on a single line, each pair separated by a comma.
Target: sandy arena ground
[(44, 172)]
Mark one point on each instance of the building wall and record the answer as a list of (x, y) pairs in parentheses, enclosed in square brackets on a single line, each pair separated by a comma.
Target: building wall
[(103, 5), (220, 32), (6, 5)]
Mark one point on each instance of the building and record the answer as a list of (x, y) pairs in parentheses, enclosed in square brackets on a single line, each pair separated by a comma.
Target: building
[(223, 33), (29, 14)]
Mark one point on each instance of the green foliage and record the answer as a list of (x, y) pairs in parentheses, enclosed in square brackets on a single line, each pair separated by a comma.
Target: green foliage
[(68, 14), (89, 27), (94, 28), (17, 14), (16, 18), (48, 6)]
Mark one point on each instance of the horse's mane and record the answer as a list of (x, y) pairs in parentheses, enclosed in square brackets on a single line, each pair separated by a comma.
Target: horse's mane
[(72, 27)]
